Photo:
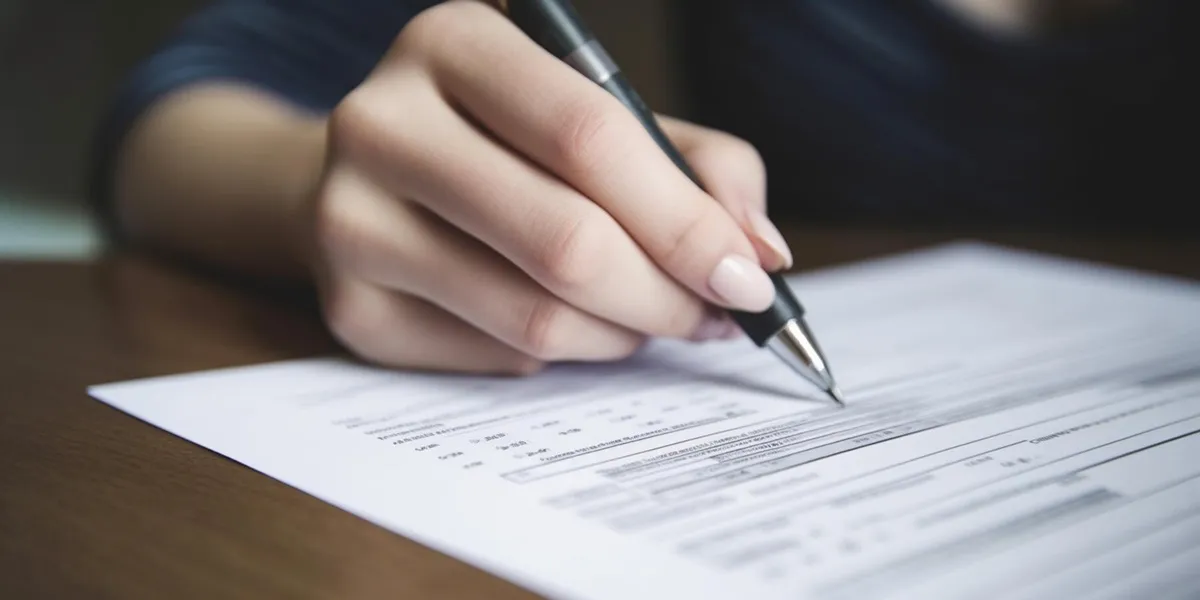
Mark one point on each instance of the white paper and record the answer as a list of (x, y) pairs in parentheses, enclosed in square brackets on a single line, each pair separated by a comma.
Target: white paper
[(1017, 426)]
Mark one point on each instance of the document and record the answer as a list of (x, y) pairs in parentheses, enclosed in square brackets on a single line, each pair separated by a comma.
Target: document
[(1016, 425)]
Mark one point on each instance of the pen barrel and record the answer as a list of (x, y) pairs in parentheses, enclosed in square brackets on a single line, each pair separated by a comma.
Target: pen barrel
[(554, 24)]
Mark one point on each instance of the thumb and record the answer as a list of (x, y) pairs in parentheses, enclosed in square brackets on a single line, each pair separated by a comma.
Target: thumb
[(732, 171)]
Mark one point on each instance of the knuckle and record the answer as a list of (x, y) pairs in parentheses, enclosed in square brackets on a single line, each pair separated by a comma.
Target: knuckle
[(329, 222), (362, 128), (542, 336), (349, 318), (572, 258), (352, 117), (691, 236), (440, 26), (366, 135), (736, 166), (585, 135), (741, 152), (339, 231), (427, 28)]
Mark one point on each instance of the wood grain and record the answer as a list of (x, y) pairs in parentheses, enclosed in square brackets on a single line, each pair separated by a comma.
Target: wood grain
[(95, 504)]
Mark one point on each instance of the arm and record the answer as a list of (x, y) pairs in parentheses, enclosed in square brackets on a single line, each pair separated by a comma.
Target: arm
[(217, 138), (219, 173)]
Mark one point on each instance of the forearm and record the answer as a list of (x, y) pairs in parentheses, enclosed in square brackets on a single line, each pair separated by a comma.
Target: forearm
[(220, 174)]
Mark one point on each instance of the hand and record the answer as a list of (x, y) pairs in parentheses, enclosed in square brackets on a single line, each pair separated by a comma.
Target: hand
[(486, 208)]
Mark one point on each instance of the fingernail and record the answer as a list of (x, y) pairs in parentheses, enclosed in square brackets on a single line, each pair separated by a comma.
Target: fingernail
[(742, 284), (770, 241)]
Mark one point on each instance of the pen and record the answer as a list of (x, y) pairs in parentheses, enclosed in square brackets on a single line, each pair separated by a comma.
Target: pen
[(556, 26)]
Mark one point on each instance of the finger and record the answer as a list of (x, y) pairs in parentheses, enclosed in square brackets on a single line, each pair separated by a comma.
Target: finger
[(729, 168), (401, 331), (469, 278), (732, 171), (564, 242), (401, 246), (572, 127)]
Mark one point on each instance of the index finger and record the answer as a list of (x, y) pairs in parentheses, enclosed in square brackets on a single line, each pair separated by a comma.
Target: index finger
[(575, 129)]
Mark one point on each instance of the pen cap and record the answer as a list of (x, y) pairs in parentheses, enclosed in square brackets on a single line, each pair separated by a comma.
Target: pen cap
[(553, 24)]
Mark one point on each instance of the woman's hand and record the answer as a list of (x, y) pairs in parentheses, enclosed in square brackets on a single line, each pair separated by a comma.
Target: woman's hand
[(485, 208)]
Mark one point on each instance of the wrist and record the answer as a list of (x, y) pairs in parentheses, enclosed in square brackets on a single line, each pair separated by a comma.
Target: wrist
[(220, 175), (299, 167)]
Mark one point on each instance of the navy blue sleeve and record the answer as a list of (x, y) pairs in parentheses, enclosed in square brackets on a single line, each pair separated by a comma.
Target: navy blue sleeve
[(309, 52)]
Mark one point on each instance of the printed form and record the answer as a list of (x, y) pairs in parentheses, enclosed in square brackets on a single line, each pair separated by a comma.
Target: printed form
[(1017, 426)]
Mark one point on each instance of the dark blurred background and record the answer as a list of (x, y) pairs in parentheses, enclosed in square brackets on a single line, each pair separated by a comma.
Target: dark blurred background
[(60, 61)]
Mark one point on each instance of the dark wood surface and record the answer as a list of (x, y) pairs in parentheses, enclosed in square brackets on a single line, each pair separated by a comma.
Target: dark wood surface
[(94, 504)]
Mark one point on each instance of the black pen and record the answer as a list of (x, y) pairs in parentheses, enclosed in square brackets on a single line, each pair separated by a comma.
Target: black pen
[(556, 26)]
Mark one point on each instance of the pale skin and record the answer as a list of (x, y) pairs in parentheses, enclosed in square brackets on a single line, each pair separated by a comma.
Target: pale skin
[(475, 205)]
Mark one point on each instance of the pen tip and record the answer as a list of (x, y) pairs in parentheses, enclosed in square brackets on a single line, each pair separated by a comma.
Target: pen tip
[(836, 393)]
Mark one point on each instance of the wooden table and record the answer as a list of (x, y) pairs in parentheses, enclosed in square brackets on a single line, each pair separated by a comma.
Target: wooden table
[(94, 504)]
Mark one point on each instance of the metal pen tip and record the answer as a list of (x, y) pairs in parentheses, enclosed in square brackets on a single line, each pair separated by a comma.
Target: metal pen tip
[(798, 349), (836, 393)]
